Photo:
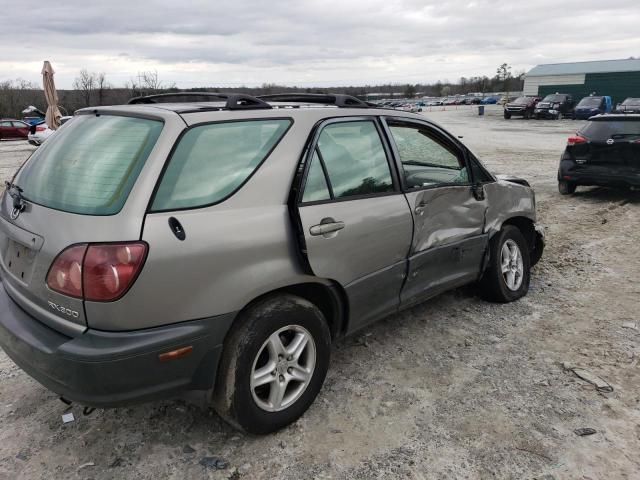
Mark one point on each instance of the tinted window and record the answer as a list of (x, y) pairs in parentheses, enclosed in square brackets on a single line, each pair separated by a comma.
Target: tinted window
[(212, 161), (590, 102), (355, 159), (603, 130), (554, 98), (425, 160), (316, 187), (521, 101), (90, 166)]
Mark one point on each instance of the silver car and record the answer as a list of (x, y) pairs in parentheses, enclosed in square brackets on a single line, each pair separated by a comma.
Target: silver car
[(221, 243)]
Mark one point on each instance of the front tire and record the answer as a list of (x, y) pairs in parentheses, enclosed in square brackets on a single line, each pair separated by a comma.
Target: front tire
[(274, 362), (507, 276), (566, 188)]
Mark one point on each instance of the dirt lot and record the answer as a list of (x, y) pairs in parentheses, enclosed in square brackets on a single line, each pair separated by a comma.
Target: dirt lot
[(452, 389)]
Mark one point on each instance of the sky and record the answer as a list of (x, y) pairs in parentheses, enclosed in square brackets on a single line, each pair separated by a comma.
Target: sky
[(308, 42)]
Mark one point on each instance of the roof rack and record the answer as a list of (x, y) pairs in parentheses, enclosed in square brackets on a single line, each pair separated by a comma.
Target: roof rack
[(339, 100), (233, 101)]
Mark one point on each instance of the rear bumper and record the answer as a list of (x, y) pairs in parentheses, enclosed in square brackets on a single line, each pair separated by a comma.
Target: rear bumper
[(586, 175), (108, 369)]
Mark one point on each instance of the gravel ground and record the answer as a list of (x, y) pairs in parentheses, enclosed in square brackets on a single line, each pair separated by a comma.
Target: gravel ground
[(455, 388)]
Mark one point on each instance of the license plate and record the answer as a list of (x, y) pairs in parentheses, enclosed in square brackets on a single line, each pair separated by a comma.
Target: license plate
[(19, 260)]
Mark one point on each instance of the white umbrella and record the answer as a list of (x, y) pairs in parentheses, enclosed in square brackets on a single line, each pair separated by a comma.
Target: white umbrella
[(53, 115)]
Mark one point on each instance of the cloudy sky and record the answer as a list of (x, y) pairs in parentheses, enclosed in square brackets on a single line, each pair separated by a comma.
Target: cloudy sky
[(309, 42)]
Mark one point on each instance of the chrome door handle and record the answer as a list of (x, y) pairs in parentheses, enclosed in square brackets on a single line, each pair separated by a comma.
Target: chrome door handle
[(420, 208), (326, 226)]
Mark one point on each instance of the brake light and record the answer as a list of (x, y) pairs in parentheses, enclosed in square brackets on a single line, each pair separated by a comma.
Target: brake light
[(97, 272), (65, 274), (40, 129), (576, 140)]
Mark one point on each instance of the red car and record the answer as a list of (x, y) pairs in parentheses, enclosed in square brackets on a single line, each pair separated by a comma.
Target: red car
[(10, 128)]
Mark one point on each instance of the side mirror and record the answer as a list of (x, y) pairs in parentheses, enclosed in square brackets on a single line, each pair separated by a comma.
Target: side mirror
[(478, 191)]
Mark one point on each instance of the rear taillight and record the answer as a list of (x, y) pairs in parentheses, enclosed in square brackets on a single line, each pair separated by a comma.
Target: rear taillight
[(97, 272), (576, 140), (65, 275), (40, 129)]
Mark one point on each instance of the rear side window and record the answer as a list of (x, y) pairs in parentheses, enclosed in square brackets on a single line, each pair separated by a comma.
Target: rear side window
[(601, 131), (90, 166), (212, 161), (354, 159)]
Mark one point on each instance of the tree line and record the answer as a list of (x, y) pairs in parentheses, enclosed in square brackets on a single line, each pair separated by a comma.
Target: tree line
[(93, 89)]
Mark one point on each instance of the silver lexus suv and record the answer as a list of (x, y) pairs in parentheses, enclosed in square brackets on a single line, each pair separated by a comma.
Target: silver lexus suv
[(221, 243)]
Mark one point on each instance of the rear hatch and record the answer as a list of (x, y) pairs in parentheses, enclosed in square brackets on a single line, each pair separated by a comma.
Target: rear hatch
[(74, 189), (612, 145)]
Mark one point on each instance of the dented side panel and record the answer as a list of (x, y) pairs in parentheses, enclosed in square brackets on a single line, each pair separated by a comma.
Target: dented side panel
[(507, 200)]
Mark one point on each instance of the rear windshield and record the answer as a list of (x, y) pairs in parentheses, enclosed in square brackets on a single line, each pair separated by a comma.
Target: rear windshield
[(554, 98), (632, 101), (590, 102), (212, 161), (89, 166), (603, 130)]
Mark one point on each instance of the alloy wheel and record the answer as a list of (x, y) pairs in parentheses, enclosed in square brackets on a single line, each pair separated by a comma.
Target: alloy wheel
[(512, 266), (283, 368)]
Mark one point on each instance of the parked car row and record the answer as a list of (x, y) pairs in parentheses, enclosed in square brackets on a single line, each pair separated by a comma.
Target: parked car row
[(562, 105)]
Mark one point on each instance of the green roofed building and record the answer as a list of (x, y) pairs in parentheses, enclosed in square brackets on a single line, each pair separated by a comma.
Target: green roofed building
[(617, 78)]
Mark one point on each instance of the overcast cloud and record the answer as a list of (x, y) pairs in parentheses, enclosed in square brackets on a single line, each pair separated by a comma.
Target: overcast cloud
[(309, 42)]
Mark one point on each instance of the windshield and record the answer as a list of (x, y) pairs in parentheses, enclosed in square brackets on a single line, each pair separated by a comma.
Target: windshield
[(632, 101), (521, 101), (89, 166), (554, 98), (590, 102), (601, 131)]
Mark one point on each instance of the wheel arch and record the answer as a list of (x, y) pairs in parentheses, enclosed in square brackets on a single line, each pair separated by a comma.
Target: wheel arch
[(528, 229), (329, 297)]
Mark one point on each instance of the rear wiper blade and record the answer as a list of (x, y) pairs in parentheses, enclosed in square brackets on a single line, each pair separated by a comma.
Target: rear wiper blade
[(15, 192)]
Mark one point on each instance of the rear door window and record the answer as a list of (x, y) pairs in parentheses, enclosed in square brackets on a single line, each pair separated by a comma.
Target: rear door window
[(354, 159), (90, 166), (211, 162)]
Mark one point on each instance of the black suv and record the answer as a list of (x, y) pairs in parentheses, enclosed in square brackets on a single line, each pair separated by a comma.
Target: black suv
[(605, 152), (630, 105), (521, 106), (555, 106)]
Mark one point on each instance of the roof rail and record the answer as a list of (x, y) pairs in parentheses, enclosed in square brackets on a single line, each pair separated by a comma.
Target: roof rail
[(339, 100), (233, 101)]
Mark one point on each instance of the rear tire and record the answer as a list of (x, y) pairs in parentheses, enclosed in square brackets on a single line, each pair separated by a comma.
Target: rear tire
[(248, 394), (566, 188), (507, 276)]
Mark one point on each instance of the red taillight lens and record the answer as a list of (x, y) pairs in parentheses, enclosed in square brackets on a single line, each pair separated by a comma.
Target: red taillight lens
[(65, 275), (40, 129), (100, 273), (110, 269), (576, 140)]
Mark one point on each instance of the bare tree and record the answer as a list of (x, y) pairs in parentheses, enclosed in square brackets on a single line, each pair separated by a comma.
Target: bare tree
[(86, 84), (101, 86), (504, 74)]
